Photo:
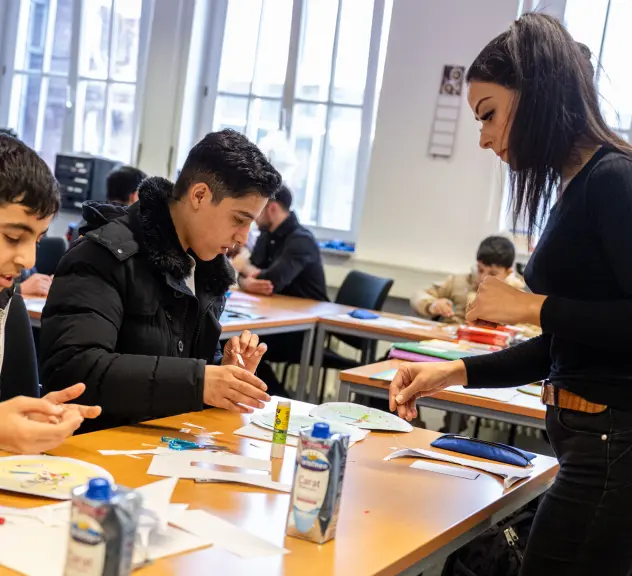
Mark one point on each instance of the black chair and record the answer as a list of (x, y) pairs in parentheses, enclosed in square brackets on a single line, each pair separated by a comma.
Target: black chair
[(359, 290), (49, 253)]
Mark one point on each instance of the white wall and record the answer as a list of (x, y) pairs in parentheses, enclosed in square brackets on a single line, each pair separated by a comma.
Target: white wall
[(422, 212)]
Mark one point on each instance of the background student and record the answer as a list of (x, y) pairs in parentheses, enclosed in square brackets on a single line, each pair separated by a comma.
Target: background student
[(286, 258), (535, 97), (134, 307), (29, 198), (449, 301), (121, 190)]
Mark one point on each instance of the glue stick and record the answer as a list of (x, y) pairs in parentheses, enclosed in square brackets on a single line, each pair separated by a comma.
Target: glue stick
[(281, 423)]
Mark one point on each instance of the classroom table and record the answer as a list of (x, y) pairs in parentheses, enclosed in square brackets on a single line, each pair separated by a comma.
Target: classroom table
[(393, 520), (523, 409), (338, 323), (281, 314)]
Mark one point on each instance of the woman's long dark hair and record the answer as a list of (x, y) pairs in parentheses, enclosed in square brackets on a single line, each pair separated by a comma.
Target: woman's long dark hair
[(557, 108)]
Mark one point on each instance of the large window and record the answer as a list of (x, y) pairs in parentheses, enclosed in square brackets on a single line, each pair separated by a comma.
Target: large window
[(604, 26), (310, 69), (75, 75)]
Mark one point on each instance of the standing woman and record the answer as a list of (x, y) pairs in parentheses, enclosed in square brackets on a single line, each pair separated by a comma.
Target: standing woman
[(533, 92)]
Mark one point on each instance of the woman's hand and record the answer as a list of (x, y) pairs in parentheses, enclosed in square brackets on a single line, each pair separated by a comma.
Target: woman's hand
[(248, 347), (417, 379), (498, 302), (34, 425)]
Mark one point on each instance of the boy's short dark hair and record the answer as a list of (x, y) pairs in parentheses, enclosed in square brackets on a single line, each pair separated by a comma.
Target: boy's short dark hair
[(122, 182), (26, 179), (496, 251), (284, 197), (230, 165)]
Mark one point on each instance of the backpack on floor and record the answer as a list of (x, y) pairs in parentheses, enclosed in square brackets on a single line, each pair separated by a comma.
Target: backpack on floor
[(496, 552)]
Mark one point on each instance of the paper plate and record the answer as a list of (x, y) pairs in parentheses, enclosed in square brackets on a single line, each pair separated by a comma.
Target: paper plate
[(360, 416), (299, 422), (47, 476)]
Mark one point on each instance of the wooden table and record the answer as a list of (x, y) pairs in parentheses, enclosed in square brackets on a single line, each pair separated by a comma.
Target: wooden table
[(337, 324), (393, 519), (281, 314), (524, 409)]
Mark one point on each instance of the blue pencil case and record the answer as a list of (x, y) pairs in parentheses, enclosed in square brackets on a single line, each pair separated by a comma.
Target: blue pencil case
[(363, 315), (483, 449)]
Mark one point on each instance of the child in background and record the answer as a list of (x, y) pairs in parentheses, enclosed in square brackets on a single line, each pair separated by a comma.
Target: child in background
[(448, 302)]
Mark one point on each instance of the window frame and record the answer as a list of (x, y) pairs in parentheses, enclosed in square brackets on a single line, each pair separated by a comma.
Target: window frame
[(290, 98), (9, 26)]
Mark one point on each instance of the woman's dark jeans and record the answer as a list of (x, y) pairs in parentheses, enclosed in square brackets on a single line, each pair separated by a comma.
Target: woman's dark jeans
[(583, 526)]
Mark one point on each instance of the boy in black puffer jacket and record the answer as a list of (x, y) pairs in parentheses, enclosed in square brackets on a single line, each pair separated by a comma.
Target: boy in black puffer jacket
[(134, 308)]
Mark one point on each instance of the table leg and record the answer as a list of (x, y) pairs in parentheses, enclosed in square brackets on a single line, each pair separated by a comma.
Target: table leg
[(454, 421), (303, 372), (344, 393), (319, 350)]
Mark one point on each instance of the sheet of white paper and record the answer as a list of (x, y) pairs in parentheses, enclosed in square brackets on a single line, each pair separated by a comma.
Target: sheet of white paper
[(227, 535), (499, 394), (185, 457), (384, 322), (443, 469), (158, 450), (18, 542), (157, 498), (258, 433), (174, 541), (510, 474), (35, 304), (181, 468)]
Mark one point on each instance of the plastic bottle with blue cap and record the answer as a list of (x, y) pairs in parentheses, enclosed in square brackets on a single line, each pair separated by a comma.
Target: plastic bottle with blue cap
[(104, 520), (321, 458)]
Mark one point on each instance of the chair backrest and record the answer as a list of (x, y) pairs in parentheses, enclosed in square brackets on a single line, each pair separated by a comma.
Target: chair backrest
[(362, 290), (49, 253)]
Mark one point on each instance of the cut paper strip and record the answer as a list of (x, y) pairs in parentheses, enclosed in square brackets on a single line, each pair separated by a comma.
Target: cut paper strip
[(258, 433), (509, 474), (157, 450), (498, 394), (179, 467), (193, 426), (443, 469), (226, 535), (157, 498)]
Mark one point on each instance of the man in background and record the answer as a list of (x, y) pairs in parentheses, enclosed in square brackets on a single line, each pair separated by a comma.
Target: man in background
[(121, 189), (285, 260), (448, 302)]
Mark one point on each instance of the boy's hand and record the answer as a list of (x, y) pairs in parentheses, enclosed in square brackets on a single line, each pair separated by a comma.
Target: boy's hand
[(247, 346), (234, 389), (442, 307)]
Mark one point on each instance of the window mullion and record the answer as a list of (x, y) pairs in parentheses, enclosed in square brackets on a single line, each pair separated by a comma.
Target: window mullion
[(254, 70), (214, 48), (603, 43), (50, 36), (289, 87), (368, 107), (68, 136), (146, 16), (9, 37), (107, 116), (329, 111)]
